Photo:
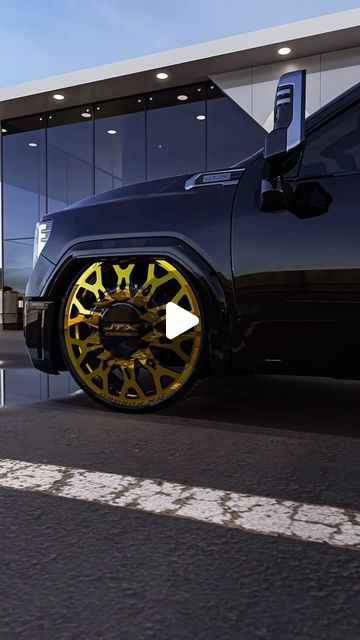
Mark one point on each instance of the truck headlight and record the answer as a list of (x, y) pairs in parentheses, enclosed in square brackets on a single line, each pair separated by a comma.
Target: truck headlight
[(42, 233)]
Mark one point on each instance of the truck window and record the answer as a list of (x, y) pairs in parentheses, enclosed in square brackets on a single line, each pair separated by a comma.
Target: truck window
[(334, 147)]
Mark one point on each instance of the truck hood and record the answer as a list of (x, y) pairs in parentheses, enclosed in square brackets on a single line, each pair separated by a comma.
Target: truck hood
[(173, 184), (137, 190)]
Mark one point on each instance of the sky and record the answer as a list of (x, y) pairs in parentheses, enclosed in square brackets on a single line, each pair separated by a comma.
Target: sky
[(41, 38)]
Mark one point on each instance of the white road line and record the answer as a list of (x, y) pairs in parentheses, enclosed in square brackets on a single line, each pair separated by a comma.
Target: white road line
[(258, 514)]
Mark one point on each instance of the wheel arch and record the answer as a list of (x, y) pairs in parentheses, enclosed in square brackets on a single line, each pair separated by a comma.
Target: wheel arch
[(207, 282)]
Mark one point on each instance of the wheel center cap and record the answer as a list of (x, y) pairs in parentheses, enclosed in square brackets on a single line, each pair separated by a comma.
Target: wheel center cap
[(121, 329)]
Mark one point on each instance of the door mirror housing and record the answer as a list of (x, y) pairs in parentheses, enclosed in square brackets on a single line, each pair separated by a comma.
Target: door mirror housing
[(284, 143), (308, 200)]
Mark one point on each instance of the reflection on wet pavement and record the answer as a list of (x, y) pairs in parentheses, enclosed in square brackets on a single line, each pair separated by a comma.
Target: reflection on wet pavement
[(23, 386), (20, 383), (13, 353)]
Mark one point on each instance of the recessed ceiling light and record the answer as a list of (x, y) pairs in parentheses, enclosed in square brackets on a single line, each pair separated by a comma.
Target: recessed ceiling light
[(139, 100), (86, 114), (284, 51), (32, 144), (162, 75), (111, 132), (3, 130), (58, 96), (200, 117), (182, 97)]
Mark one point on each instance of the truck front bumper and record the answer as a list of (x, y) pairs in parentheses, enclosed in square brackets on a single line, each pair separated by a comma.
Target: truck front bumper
[(39, 329)]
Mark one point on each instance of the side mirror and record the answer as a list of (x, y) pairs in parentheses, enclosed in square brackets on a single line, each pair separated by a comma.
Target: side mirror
[(308, 200), (284, 143)]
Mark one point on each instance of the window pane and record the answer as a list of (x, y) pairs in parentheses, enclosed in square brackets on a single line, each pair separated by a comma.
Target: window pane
[(24, 175), (119, 143), (17, 269), (232, 134), (175, 133), (334, 147), (70, 156)]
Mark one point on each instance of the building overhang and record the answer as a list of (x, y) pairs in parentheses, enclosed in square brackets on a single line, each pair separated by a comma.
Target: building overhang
[(185, 66)]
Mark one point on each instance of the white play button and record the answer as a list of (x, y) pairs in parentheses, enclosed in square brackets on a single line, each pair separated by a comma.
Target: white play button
[(178, 320)]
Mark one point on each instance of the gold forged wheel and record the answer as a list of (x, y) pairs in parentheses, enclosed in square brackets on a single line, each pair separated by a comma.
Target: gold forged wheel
[(114, 333)]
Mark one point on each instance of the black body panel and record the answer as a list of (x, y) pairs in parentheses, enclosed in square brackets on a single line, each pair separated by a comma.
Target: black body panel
[(281, 289), (192, 227), (297, 280)]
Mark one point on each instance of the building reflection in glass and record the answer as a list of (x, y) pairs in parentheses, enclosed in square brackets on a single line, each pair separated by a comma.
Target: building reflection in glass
[(24, 176), (120, 143), (52, 160), (70, 162), (25, 386), (18, 264), (176, 132), (232, 134), (24, 204)]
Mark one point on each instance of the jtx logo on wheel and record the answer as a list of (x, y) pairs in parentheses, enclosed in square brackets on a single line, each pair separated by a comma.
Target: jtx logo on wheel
[(121, 329)]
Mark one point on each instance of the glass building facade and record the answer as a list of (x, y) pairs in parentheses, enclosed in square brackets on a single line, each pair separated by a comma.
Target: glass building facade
[(52, 160)]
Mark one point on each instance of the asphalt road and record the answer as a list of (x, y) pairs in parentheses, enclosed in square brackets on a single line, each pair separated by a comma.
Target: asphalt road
[(72, 569)]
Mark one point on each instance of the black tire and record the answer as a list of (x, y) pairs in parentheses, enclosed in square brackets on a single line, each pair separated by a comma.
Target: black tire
[(125, 365)]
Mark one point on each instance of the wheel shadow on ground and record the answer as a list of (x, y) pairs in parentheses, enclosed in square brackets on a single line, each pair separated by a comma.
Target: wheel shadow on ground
[(308, 404), (321, 405), (317, 405)]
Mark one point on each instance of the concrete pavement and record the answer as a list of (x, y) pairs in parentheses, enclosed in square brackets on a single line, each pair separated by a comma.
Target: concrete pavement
[(73, 569)]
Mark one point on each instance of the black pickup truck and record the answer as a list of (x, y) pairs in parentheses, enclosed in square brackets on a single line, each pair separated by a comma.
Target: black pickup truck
[(265, 255)]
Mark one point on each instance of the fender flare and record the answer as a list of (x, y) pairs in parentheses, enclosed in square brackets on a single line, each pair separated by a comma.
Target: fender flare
[(216, 296)]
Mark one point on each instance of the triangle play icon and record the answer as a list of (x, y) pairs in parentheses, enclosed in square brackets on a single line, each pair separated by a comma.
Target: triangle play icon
[(178, 320)]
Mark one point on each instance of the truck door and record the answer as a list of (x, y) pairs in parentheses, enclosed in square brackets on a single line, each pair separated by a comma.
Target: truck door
[(297, 279)]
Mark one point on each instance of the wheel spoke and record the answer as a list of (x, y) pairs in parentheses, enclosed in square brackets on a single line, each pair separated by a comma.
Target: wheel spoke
[(130, 382), (175, 345), (97, 286), (101, 372), (85, 352), (86, 346), (122, 290), (177, 296), (93, 341), (151, 283), (152, 315), (89, 316), (153, 338), (158, 371)]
